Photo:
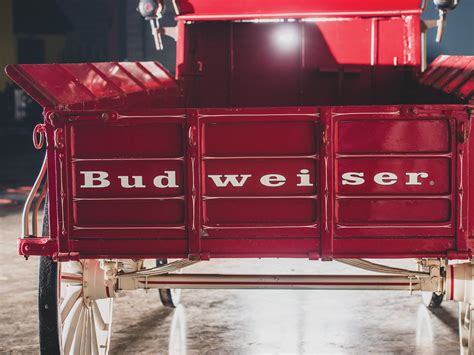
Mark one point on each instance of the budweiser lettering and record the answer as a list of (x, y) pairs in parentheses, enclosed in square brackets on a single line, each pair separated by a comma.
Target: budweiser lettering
[(167, 180)]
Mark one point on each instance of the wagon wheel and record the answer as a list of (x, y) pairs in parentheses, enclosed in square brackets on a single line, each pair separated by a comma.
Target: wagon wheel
[(70, 321), (466, 331), (169, 297)]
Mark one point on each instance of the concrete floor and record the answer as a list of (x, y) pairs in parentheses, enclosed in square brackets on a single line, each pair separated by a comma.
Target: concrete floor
[(239, 321)]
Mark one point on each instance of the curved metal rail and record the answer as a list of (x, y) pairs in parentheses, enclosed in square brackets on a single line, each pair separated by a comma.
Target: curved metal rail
[(29, 202)]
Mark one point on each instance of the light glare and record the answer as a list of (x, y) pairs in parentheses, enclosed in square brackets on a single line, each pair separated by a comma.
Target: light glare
[(286, 37)]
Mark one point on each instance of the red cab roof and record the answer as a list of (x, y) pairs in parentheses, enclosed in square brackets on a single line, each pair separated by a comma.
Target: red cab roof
[(254, 9)]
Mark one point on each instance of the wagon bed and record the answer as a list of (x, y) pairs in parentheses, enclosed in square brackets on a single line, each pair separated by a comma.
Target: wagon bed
[(309, 181)]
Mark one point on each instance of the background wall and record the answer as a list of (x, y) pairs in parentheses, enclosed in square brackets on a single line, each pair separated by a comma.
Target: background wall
[(459, 34)]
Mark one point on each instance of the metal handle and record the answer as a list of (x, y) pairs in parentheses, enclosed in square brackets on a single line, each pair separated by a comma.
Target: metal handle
[(29, 202)]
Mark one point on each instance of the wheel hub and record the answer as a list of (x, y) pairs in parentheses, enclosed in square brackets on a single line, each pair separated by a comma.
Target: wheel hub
[(95, 283)]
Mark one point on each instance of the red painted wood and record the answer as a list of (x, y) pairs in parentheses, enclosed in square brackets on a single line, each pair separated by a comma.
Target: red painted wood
[(206, 9)]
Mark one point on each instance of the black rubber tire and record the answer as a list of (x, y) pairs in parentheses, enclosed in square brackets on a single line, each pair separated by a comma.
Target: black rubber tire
[(166, 296), (435, 301), (48, 318), (49, 329)]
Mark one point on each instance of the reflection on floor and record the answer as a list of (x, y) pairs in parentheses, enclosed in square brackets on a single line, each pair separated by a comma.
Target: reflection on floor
[(283, 321)]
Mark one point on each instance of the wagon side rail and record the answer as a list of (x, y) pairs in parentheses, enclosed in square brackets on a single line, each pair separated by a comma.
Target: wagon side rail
[(33, 203)]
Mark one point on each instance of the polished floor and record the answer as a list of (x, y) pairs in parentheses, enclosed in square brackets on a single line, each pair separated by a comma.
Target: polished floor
[(284, 321), (240, 321)]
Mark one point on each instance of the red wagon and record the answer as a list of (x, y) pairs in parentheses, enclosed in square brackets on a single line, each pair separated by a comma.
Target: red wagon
[(299, 129)]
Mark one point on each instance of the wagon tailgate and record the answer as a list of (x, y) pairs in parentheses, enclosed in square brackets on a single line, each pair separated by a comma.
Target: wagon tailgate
[(396, 188), (96, 85)]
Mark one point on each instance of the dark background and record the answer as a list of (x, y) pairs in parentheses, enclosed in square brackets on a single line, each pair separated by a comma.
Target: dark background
[(105, 30)]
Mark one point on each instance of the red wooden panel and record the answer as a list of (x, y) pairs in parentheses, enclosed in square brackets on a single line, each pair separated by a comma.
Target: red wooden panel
[(393, 247), (292, 248), (148, 248), (260, 177), (394, 178), (49, 85), (372, 211), (208, 9), (95, 85), (140, 74), (115, 73), (153, 178), (158, 72), (335, 35), (259, 212), (163, 140), (244, 138), (401, 136), (388, 32), (451, 74), (123, 213), (388, 175)]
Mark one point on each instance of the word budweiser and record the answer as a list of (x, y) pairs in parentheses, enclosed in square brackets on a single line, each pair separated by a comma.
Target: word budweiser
[(101, 179)]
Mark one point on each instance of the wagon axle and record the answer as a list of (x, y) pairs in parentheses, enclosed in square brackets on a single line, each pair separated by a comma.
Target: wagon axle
[(397, 279)]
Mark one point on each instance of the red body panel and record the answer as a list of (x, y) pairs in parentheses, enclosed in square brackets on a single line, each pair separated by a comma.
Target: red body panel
[(289, 197), (299, 63), (211, 10), (452, 75), (96, 85)]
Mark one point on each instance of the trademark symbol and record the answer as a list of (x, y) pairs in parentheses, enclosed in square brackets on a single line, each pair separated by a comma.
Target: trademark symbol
[(431, 183)]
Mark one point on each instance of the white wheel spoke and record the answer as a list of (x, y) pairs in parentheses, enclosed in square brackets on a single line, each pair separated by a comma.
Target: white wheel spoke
[(76, 345), (85, 328), (82, 349), (99, 320), (73, 293), (70, 325), (87, 343), (71, 278), (94, 343)]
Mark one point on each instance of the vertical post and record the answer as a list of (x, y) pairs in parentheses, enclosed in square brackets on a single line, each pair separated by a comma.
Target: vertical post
[(57, 183), (326, 185), (193, 191), (462, 178)]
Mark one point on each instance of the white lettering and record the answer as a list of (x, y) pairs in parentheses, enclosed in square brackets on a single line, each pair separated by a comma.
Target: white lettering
[(273, 180), (229, 179), (304, 178), (353, 178), (164, 181), (385, 178), (137, 182), (95, 179), (413, 178)]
